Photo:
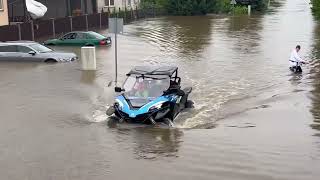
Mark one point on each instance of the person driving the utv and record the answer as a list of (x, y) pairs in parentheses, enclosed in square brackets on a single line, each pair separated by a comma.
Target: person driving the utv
[(141, 88)]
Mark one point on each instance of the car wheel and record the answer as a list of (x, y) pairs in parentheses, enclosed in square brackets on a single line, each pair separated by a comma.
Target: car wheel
[(50, 61), (89, 45)]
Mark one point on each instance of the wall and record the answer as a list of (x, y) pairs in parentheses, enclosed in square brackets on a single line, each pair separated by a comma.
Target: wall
[(56, 8), (4, 14)]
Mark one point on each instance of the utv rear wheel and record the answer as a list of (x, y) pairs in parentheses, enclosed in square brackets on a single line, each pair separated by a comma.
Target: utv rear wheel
[(189, 104)]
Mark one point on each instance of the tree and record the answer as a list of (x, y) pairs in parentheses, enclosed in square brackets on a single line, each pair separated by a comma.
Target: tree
[(316, 7)]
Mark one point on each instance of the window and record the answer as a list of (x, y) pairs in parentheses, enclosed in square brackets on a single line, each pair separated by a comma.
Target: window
[(70, 36), (8, 48), (23, 49), (107, 2), (82, 36), (94, 35), (40, 48), (1, 5)]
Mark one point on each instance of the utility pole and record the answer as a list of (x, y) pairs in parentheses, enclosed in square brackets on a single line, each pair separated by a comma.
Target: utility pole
[(116, 27)]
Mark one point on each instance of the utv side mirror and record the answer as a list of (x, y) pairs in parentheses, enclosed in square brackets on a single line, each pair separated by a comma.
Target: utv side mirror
[(32, 53), (118, 89)]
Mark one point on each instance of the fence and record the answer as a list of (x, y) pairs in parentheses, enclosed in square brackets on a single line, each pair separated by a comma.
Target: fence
[(54, 27)]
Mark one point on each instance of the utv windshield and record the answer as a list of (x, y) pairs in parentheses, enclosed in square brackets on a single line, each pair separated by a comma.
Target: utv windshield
[(148, 88)]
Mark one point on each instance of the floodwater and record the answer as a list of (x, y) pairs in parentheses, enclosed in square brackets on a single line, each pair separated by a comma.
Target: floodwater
[(252, 119)]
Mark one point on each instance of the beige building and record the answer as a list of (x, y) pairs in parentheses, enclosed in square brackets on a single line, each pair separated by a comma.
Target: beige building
[(4, 13), (116, 4)]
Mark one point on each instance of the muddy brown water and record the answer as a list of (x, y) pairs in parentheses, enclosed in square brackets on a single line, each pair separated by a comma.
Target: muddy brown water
[(252, 119)]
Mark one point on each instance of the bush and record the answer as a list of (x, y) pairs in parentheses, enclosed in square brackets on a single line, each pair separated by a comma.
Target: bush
[(202, 7), (240, 10), (188, 7), (316, 8)]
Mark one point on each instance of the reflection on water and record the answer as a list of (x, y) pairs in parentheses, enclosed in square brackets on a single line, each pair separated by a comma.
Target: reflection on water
[(186, 36), (149, 142), (295, 78), (245, 30), (315, 73), (88, 77), (251, 118), (152, 143)]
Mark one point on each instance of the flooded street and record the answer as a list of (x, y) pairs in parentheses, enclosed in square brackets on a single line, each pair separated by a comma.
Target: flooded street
[(253, 119)]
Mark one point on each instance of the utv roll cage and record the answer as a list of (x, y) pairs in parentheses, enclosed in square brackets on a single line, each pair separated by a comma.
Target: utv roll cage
[(157, 72)]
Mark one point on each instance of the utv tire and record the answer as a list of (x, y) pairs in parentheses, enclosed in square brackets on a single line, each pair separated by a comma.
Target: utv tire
[(168, 122), (189, 104), (110, 111)]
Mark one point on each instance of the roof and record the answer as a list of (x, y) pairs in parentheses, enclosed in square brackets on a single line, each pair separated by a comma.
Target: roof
[(17, 43), (86, 32), (153, 70)]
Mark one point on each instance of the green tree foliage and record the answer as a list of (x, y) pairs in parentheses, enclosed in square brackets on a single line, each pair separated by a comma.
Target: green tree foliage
[(188, 7), (202, 7), (259, 5), (316, 7)]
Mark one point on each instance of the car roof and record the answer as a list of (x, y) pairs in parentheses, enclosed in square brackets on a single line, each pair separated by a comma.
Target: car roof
[(86, 32), (153, 70), (17, 43)]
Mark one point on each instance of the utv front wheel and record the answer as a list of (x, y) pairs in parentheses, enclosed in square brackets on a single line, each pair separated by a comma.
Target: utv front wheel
[(168, 122), (110, 111)]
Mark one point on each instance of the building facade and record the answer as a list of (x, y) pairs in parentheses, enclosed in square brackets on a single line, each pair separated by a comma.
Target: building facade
[(104, 5), (4, 20)]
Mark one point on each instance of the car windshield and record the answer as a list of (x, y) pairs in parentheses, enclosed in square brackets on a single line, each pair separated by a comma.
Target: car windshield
[(145, 87), (40, 48), (96, 35)]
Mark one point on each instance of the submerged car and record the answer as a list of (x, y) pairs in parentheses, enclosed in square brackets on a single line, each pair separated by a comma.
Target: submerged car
[(32, 51), (80, 38), (150, 95)]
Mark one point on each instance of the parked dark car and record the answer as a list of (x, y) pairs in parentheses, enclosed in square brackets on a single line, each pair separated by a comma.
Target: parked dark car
[(80, 38), (32, 51)]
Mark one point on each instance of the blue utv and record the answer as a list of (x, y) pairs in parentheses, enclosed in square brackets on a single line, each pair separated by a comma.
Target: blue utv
[(150, 95)]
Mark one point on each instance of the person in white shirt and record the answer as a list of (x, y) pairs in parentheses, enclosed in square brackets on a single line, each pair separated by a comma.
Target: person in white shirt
[(295, 60)]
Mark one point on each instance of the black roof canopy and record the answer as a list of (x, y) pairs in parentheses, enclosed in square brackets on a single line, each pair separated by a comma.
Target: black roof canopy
[(153, 70)]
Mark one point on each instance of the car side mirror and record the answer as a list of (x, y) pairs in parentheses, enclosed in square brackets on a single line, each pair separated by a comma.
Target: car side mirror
[(118, 89), (32, 53)]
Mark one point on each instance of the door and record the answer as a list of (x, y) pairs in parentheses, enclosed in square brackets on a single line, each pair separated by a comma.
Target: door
[(81, 39), (8, 53), (2, 53), (69, 39), (24, 54)]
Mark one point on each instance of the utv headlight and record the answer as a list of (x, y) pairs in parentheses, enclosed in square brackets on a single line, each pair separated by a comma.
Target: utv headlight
[(156, 106), (119, 104)]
